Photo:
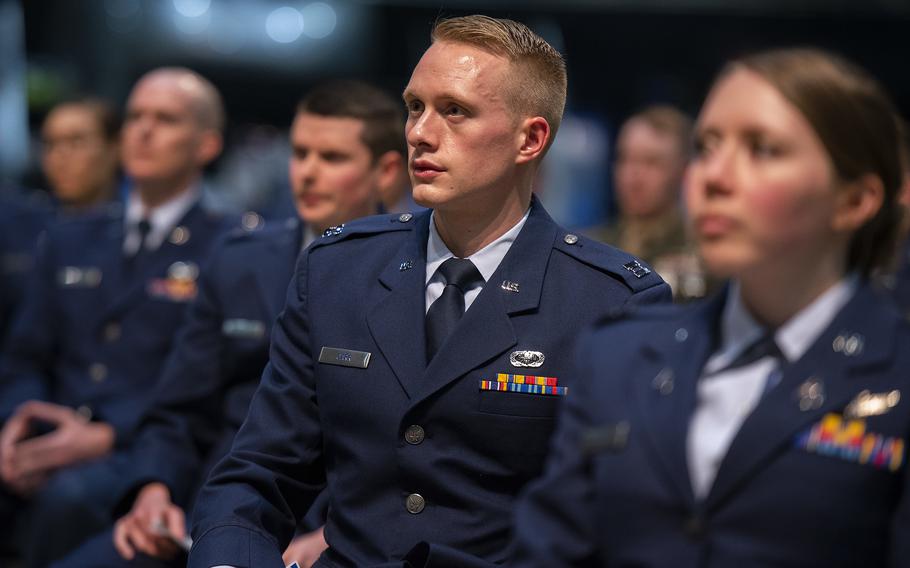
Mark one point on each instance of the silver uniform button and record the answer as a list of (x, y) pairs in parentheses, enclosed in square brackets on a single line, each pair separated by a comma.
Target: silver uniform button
[(112, 332), (570, 239), (405, 217), (414, 434), (85, 412), (415, 503), (97, 372)]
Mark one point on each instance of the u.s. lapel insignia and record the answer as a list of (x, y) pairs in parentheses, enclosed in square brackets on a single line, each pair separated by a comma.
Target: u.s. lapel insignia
[(872, 404), (526, 358), (850, 344), (180, 284), (510, 286), (663, 381), (179, 236), (811, 394)]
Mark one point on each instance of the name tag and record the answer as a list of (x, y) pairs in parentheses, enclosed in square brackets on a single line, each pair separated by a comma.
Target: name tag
[(248, 329), (79, 277), (344, 357)]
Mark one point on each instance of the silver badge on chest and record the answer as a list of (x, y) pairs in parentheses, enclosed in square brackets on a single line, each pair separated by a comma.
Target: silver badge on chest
[(526, 358)]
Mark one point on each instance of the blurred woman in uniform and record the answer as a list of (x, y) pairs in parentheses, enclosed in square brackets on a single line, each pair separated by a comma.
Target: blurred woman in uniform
[(766, 426)]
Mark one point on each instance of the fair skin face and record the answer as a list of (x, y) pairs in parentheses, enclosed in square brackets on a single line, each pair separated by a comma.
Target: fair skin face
[(165, 141), (26, 463), (334, 176), (472, 156), (648, 171), (77, 159), (767, 206)]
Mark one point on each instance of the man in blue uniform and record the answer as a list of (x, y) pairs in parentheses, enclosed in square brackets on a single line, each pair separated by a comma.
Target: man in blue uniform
[(419, 360), (348, 149), (105, 298)]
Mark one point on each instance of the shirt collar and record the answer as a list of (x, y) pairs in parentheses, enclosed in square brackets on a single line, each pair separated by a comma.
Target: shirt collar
[(164, 217), (739, 329), (486, 259)]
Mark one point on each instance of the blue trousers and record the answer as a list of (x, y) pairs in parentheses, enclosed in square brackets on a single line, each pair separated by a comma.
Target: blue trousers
[(76, 503), (99, 552)]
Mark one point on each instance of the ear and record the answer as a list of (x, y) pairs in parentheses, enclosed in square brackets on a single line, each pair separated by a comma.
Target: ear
[(390, 169), (533, 138), (210, 145), (858, 202)]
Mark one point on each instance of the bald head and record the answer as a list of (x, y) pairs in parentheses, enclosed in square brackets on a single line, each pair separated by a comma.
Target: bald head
[(201, 95), (174, 119)]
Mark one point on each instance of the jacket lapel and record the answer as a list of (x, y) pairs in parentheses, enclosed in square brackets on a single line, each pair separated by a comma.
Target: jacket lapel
[(486, 330), (396, 320), (667, 398), (779, 417), (134, 288)]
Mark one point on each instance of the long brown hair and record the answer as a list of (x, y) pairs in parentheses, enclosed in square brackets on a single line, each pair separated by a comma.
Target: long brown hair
[(858, 126)]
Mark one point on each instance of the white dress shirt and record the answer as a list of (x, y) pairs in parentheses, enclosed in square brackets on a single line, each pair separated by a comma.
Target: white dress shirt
[(486, 260), (162, 219), (724, 398)]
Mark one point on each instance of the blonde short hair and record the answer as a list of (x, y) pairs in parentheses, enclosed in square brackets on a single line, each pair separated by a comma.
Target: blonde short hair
[(539, 86)]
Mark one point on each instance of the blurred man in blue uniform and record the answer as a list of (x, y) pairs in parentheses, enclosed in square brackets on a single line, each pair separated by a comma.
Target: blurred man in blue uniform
[(419, 359), (348, 148), (80, 156), (103, 303)]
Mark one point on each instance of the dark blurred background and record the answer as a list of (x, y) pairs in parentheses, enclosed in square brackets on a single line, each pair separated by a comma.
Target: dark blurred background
[(264, 54)]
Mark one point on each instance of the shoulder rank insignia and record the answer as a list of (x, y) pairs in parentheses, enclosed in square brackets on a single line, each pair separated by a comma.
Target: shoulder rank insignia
[(637, 269), (332, 231)]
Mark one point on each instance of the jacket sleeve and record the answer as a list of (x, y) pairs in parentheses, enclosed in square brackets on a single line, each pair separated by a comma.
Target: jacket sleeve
[(183, 422), (247, 511), (27, 361), (554, 517)]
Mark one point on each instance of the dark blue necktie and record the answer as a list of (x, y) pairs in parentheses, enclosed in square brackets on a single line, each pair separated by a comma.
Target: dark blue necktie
[(764, 346), (143, 227), (460, 276)]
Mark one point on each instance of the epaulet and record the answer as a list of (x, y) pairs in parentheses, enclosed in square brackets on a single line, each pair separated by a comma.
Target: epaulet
[(636, 274), (366, 226)]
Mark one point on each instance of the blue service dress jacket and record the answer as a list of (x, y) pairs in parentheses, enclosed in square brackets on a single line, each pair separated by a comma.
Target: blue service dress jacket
[(95, 329), (420, 460), (209, 378), (815, 477)]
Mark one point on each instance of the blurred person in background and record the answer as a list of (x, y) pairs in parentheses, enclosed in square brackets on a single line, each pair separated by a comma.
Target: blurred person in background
[(80, 144), (80, 156), (347, 149), (768, 425), (108, 292), (652, 150)]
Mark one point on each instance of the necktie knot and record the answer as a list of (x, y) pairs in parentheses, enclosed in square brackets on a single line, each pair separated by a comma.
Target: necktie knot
[(764, 346), (461, 273)]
